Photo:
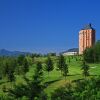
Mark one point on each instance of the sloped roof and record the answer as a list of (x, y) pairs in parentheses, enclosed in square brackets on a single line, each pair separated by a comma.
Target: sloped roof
[(72, 50), (88, 26)]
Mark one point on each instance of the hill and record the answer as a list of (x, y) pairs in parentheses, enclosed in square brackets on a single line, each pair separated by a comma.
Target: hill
[(4, 52)]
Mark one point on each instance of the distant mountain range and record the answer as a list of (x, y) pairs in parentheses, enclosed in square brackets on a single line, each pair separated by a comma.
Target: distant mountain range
[(4, 52)]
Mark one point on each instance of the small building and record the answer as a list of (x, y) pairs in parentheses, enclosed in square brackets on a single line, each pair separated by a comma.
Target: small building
[(73, 51)]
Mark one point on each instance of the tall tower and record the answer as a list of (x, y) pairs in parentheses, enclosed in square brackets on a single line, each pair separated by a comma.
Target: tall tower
[(86, 38)]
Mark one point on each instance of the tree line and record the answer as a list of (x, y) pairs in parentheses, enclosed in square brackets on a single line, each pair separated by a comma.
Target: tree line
[(92, 54)]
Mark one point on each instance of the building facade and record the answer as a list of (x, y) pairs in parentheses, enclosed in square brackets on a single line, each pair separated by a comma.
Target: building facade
[(86, 38)]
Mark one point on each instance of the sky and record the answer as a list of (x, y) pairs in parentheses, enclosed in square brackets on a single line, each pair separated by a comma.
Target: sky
[(43, 26)]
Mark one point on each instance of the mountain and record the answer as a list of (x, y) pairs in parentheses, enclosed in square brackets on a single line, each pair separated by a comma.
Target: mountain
[(4, 52)]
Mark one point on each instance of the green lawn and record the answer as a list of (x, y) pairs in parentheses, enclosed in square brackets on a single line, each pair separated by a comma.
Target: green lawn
[(55, 79)]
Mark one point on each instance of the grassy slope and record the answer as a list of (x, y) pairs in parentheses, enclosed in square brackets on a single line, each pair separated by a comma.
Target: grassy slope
[(55, 80), (75, 73)]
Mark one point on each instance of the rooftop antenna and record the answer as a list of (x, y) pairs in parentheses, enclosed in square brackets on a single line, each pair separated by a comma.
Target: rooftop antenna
[(90, 24)]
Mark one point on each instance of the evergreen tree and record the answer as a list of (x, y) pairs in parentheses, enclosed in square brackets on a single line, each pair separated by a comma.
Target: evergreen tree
[(33, 89), (8, 69), (92, 54), (10, 75), (39, 68), (49, 65), (65, 70), (20, 60), (61, 63), (25, 66), (85, 69)]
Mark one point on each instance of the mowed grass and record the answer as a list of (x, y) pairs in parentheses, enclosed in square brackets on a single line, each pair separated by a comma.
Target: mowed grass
[(55, 80)]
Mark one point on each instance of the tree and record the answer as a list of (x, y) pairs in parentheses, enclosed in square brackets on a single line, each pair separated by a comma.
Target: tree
[(11, 76), (39, 68), (33, 88), (25, 66), (51, 54), (20, 60), (65, 70), (85, 69), (63, 93), (83, 90), (49, 65), (61, 63), (69, 60), (8, 68), (89, 55), (92, 54)]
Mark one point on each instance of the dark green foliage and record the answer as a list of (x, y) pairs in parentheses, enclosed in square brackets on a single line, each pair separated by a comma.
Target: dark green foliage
[(18, 91), (89, 55), (62, 66), (11, 76), (49, 65), (36, 55), (69, 60), (65, 70), (8, 66), (85, 69), (64, 93), (39, 66), (51, 54), (32, 89), (92, 54), (23, 65), (20, 60), (61, 63), (5, 97), (84, 90)]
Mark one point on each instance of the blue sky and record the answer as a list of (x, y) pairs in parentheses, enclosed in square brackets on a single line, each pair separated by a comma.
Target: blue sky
[(45, 25)]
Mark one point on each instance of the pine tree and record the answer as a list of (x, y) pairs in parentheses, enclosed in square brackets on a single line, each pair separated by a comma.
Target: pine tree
[(33, 89), (61, 63), (65, 70), (85, 69), (49, 65), (25, 66)]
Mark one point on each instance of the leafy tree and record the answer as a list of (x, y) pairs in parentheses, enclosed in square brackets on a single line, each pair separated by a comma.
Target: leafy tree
[(49, 65)]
